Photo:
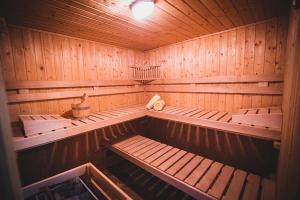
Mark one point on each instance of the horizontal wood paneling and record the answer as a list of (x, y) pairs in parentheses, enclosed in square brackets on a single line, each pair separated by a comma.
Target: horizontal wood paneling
[(111, 21), (30, 55), (258, 49)]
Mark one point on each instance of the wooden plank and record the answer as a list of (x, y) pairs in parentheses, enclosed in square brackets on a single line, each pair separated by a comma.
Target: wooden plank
[(15, 85), (151, 151), (207, 180), (21, 143), (135, 144), (10, 181), (143, 150), (200, 114), (16, 98), (164, 157), (222, 79), (190, 114), (197, 173), (252, 187), (268, 190), (208, 115), (236, 185), (226, 118), (187, 111), (158, 154), (147, 143), (129, 142), (172, 160), (220, 184), (180, 164), (218, 116), (188, 168), (259, 117), (207, 88), (263, 133), (163, 176)]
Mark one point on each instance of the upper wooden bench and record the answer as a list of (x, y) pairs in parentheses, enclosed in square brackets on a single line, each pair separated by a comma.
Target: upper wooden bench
[(199, 177), (94, 121), (215, 120), (210, 119)]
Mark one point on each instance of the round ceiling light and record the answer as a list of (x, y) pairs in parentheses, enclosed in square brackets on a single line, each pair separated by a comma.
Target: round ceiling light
[(142, 8)]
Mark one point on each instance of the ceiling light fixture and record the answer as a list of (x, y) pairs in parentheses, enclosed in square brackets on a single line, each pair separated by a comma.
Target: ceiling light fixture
[(142, 8)]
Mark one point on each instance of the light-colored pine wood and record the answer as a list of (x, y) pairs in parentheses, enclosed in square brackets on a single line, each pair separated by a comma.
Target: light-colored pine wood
[(10, 182), (21, 143), (199, 177), (288, 170), (223, 123)]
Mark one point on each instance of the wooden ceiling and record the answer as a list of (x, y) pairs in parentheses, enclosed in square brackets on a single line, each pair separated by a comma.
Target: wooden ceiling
[(110, 21)]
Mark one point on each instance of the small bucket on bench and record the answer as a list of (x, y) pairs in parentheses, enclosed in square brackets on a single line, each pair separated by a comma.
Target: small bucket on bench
[(82, 109)]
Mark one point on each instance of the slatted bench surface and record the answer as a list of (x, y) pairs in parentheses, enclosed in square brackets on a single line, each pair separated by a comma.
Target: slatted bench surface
[(216, 120), (267, 117), (200, 177), (95, 121), (36, 124)]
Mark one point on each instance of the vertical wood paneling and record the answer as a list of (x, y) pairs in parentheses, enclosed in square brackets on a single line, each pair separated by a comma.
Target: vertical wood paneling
[(31, 55), (250, 50)]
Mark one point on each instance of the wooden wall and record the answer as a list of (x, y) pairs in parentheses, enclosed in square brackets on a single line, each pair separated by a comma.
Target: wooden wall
[(288, 175), (256, 49), (31, 55)]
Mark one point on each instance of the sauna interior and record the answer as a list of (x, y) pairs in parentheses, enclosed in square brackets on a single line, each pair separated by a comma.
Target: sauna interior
[(150, 99)]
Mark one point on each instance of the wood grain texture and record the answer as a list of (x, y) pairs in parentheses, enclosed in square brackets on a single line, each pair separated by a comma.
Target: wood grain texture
[(42, 58), (288, 175), (254, 50), (112, 21)]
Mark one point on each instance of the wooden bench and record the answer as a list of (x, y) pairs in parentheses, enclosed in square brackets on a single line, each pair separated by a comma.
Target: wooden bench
[(215, 120), (95, 121), (266, 117), (221, 121), (199, 177)]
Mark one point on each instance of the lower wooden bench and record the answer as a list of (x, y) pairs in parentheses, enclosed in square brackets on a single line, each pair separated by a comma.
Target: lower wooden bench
[(199, 177)]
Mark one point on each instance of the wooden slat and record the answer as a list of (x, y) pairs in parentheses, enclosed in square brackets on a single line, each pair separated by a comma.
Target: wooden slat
[(143, 150), (123, 142), (220, 184), (180, 163), (199, 177), (258, 132), (164, 157), (135, 144), (187, 169), (207, 180), (268, 190), (147, 143), (195, 176), (252, 187), (218, 116), (132, 142), (151, 151), (203, 112), (222, 79), (21, 143), (208, 115), (193, 113), (15, 85), (28, 97), (231, 89), (171, 160), (236, 185), (158, 154)]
